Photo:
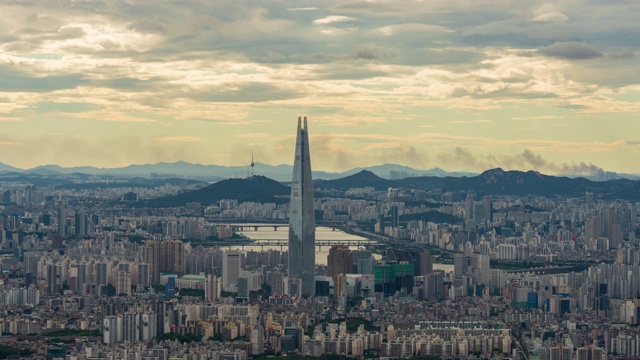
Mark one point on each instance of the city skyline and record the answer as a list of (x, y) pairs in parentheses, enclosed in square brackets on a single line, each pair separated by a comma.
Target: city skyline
[(463, 86)]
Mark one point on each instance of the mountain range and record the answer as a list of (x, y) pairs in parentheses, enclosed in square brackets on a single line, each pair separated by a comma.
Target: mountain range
[(496, 182), (491, 182), (212, 173)]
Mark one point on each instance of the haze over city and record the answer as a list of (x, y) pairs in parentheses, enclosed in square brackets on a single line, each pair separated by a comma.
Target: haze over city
[(461, 85)]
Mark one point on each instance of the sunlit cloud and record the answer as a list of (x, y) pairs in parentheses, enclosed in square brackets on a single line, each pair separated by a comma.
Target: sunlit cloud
[(333, 19), (470, 122), (177, 139), (303, 9), (413, 28), (541, 117), (254, 135)]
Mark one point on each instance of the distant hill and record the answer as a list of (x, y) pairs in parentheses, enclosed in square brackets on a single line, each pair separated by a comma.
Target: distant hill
[(262, 189), (631, 193), (364, 178), (491, 182), (214, 173), (256, 188), (282, 172), (496, 182), (8, 168)]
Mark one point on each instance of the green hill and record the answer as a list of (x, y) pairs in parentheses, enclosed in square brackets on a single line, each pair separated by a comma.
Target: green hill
[(256, 188)]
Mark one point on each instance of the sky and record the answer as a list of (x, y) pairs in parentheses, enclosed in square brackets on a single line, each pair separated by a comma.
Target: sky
[(464, 85)]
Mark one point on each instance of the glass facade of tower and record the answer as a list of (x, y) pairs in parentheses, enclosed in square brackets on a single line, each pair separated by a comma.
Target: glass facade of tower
[(302, 227)]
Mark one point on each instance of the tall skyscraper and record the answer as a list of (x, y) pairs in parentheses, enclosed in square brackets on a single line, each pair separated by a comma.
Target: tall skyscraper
[(302, 225)]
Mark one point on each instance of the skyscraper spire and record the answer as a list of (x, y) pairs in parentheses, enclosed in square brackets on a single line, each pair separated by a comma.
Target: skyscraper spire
[(302, 227)]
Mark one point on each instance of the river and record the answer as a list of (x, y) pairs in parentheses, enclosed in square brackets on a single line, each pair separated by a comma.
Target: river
[(322, 233)]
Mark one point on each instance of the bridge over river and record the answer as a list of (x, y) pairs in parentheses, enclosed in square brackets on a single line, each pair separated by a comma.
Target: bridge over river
[(247, 242), (244, 227)]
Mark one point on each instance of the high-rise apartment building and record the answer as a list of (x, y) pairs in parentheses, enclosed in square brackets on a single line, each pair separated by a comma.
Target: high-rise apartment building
[(211, 288), (165, 256), (123, 282), (480, 270), (151, 255), (172, 256), (302, 227), (62, 221), (590, 353)]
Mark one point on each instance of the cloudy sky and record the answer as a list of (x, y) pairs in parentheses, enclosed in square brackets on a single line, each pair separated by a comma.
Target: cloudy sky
[(462, 85)]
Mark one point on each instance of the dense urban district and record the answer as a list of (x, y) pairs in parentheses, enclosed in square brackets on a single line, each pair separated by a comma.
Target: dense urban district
[(504, 265)]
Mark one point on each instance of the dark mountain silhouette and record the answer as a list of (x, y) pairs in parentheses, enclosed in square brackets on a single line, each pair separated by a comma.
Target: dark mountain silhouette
[(630, 193), (362, 179), (496, 182), (256, 188)]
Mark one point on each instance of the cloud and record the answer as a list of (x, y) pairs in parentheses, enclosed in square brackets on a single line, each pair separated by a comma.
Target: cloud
[(244, 92), (303, 9), (570, 51), (15, 80), (177, 139), (413, 28), (254, 135), (621, 55), (333, 19), (551, 17), (470, 122), (367, 53), (541, 117), (527, 160), (201, 66)]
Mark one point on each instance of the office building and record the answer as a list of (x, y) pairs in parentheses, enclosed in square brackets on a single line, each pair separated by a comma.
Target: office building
[(231, 262), (339, 260), (460, 262), (424, 264)]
